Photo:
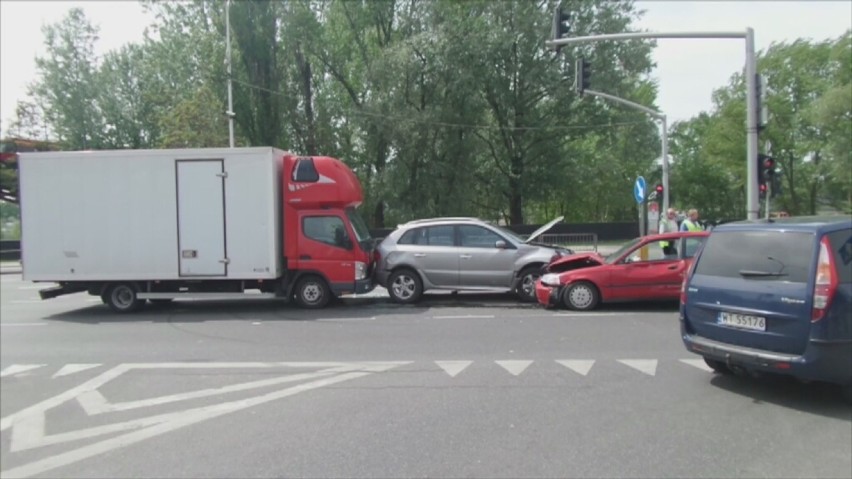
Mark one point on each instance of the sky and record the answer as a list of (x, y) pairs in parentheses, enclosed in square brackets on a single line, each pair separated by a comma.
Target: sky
[(688, 70)]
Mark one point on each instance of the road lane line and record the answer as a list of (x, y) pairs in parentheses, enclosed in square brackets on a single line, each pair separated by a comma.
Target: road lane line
[(647, 366), (19, 368), (176, 421), (12, 325), (515, 367), (579, 366), (698, 363), (453, 368), (74, 368)]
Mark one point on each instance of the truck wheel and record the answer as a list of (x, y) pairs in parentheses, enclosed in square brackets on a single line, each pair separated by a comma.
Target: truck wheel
[(405, 286), (121, 298), (312, 292), (526, 285), (581, 296)]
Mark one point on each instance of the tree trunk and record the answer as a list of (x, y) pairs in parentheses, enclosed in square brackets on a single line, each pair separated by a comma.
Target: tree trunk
[(308, 97)]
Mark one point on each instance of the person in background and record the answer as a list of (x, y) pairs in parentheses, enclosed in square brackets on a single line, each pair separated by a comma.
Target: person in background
[(668, 224), (692, 223)]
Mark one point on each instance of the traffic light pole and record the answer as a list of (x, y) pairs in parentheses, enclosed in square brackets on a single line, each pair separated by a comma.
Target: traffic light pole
[(665, 137), (752, 200)]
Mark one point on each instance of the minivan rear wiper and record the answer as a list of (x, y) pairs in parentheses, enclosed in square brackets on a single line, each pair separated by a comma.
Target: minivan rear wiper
[(752, 274)]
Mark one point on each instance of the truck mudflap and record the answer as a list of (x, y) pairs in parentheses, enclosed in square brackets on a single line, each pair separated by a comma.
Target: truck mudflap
[(60, 290)]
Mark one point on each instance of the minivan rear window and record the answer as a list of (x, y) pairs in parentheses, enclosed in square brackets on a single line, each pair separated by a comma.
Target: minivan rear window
[(782, 255)]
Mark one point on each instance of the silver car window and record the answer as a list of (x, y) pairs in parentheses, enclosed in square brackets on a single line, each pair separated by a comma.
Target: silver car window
[(478, 237)]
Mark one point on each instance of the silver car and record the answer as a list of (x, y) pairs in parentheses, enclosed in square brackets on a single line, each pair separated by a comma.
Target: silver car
[(461, 254)]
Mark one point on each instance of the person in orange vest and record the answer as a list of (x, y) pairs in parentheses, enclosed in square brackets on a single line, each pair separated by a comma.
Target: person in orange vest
[(692, 223)]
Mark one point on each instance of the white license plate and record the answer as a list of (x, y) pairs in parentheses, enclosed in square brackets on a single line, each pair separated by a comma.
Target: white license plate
[(744, 321)]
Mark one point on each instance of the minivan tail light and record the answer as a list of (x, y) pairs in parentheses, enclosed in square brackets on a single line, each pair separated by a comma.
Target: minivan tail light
[(825, 284)]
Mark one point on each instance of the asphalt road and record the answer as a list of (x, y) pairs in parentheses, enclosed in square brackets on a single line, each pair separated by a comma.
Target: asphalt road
[(458, 386)]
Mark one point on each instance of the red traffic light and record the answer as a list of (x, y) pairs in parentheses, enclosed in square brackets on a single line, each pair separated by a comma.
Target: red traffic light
[(763, 187), (769, 163), (658, 188)]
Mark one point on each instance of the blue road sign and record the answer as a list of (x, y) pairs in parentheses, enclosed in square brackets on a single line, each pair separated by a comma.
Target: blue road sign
[(639, 190)]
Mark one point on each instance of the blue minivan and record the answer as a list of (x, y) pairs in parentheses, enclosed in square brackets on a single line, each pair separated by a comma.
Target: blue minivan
[(774, 296)]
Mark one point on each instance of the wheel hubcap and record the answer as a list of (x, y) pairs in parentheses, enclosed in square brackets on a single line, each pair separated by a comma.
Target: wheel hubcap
[(528, 284), (122, 297), (403, 287), (580, 296), (312, 293)]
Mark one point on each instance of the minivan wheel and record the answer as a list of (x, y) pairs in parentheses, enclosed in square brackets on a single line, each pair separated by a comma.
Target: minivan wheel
[(581, 296), (121, 298), (312, 292), (405, 286), (717, 366), (526, 284), (847, 393)]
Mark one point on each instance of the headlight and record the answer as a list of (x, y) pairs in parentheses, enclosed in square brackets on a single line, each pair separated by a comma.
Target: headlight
[(360, 270), (550, 279)]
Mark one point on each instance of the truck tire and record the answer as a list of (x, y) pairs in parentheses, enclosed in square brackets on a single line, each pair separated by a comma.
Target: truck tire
[(312, 292), (526, 284), (405, 286), (121, 298)]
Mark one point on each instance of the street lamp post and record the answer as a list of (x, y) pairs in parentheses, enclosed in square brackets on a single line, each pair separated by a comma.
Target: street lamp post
[(665, 136), (230, 111), (752, 201)]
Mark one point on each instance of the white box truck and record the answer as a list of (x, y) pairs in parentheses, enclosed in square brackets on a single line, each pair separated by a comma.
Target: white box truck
[(136, 225)]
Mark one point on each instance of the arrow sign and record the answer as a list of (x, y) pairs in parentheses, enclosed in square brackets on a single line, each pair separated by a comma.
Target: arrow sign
[(639, 190)]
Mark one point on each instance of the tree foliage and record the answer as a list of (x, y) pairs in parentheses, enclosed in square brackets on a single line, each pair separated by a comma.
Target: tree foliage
[(441, 107)]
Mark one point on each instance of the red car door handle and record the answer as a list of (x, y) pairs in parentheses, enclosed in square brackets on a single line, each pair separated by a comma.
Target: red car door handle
[(674, 266)]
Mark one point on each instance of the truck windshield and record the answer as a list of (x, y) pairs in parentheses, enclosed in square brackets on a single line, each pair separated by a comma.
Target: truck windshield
[(361, 231)]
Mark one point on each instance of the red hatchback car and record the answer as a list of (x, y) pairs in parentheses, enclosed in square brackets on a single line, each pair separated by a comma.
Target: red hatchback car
[(647, 268)]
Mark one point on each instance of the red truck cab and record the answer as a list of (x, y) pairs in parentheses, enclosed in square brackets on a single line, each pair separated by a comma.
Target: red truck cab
[(327, 244)]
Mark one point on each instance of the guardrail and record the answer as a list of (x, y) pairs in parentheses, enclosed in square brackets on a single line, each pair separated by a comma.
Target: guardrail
[(575, 241), (10, 250)]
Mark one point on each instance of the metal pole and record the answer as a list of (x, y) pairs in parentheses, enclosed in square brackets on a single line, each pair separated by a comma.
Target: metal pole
[(230, 111), (665, 166), (665, 138), (752, 199), (768, 195)]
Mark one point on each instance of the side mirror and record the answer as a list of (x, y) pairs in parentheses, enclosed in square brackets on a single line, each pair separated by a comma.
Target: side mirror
[(500, 244)]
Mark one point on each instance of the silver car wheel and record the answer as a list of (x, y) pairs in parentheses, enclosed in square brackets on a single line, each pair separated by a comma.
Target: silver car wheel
[(528, 284), (403, 287)]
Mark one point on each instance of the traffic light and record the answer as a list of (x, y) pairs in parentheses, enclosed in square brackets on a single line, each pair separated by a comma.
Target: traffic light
[(582, 75), (561, 26), (762, 190), (659, 189)]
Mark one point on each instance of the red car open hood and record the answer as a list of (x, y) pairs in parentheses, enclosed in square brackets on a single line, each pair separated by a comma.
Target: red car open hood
[(575, 261)]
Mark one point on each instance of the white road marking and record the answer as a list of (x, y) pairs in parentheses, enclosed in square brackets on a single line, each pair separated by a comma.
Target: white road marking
[(73, 368), (467, 316), (28, 425), (18, 368), (698, 363), (33, 287), (647, 366), (453, 368), (573, 315), (27, 301), (579, 366), (371, 318), (515, 367), (12, 325)]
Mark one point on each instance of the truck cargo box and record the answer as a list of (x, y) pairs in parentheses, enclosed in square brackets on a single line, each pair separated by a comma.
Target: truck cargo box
[(151, 214)]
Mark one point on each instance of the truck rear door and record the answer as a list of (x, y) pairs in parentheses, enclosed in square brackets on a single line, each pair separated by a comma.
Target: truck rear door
[(201, 217)]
